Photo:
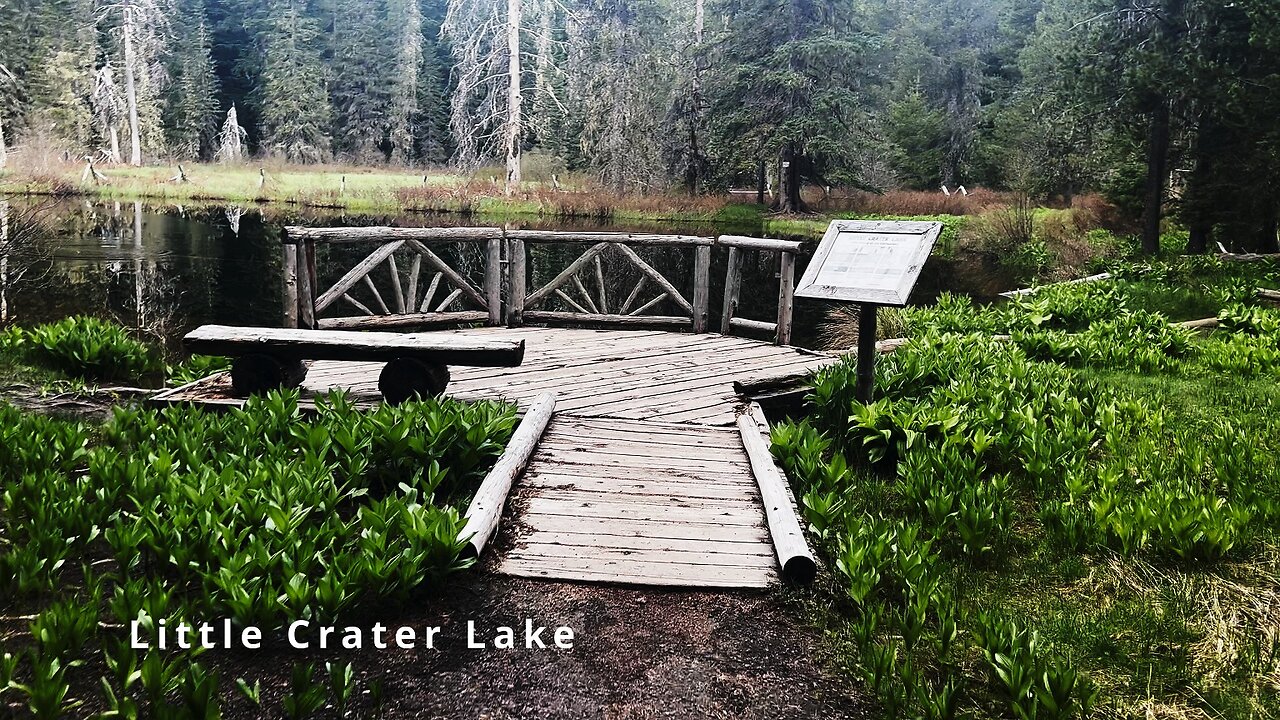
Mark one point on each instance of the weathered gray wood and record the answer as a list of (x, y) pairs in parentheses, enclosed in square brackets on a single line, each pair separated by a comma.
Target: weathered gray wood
[(866, 373), (450, 298), (517, 278), (582, 289), (430, 294), (358, 305), (571, 302), (701, 288), (648, 305), (732, 286), (493, 281), (751, 243), (794, 555), (621, 321), (407, 320), (357, 346), (290, 270), (759, 326), (549, 236), (600, 287), (449, 273), (415, 269), (295, 234), (1269, 295), (537, 295), (1038, 288), (486, 508), (306, 287), (786, 297), (1204, 326), (395, 282), (658, 278), (635, 293), (377, 296), (356, 274)]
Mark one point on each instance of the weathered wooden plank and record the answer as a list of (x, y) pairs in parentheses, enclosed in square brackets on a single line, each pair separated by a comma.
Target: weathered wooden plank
[(631, 527), (368, 346), (595, 557), (786, 297), (295, 234), (625, 321), (693, 489), (485, 509), (646, 513), (643, 573), (732, 288), (701, 288), (493, 280), (517, 276), (635, 542), (639, 448), (767, 244), (582, 238), (794, 555), (407, 320)]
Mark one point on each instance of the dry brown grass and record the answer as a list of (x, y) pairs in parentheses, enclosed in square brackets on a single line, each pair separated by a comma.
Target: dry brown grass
[(839, 330), (910, 202)]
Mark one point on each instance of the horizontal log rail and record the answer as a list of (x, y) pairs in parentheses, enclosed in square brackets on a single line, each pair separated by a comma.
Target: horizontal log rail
[(432, 293)]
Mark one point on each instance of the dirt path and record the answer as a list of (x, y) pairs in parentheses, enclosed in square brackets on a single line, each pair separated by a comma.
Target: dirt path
[(637, 654)]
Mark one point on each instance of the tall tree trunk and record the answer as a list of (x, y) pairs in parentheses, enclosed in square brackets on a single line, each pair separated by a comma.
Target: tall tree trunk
[(760, 182), (1269, 242), (694, 171), (4, 149), (514, 95), (130, 89), (1157, 170), (1198, 202), (789, 200)]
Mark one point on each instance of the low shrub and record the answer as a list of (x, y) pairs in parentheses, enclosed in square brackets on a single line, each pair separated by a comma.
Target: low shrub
[(92, 349)]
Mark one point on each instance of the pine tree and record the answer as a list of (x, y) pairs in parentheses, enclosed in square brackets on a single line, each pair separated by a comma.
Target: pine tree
[(191, 110), (295, 110)]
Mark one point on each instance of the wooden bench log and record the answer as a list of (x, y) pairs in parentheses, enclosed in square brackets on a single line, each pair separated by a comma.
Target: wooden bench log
[(416, 364)]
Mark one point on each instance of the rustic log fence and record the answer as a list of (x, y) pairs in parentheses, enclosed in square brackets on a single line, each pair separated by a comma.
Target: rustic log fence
[(577, 294)]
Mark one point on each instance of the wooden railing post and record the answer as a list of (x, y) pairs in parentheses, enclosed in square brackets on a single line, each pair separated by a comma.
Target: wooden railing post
[(732, 284), (786, 297), (701, 287), (307, 284), (516, 276), (290, 271), (493, 281)]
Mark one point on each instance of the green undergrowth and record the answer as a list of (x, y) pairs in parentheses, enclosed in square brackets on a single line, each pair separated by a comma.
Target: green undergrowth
[(260, 515), (1081, 517), (79, 352)]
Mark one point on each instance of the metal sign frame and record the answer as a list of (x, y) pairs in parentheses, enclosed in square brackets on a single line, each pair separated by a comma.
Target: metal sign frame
[(925, 236)]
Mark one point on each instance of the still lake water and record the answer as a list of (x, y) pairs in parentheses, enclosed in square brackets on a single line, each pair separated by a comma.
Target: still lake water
[(167, 269)]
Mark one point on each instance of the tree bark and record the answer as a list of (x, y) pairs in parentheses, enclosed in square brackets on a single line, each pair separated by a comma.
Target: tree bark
[(130, 88), (789, 200), (760, 182), (514, 95), (4, 149), (1157, 170)]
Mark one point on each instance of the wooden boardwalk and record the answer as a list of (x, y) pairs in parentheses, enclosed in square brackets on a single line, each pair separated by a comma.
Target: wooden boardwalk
[(641, 477)]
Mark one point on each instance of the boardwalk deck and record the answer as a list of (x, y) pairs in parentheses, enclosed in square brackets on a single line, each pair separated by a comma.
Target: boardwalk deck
[(627, 374), (641, 477)]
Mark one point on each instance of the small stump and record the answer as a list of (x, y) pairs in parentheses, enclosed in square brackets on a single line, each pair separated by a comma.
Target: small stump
[(405, 378), (256, 374)]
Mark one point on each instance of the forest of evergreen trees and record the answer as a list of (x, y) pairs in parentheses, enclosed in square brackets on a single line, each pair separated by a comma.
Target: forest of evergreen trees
[(1149, 101)]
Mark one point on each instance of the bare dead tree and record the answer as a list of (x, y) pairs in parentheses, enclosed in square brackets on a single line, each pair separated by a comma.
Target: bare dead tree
[(231, 139), (7, 81), (404, 92), (108, 108), (144, 36)]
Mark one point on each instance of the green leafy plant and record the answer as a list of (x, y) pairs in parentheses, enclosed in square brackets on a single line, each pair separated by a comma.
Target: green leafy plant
[(305, 696), (93, 349)]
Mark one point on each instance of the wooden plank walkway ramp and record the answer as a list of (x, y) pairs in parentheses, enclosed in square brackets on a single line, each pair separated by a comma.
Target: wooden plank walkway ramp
[(644, 474)]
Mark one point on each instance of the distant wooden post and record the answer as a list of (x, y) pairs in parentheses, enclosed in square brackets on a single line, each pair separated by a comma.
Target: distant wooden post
[(786, 297), (866, 352), (732, 284), (290, 262), (516, 275), (493, 281), (701, 287)]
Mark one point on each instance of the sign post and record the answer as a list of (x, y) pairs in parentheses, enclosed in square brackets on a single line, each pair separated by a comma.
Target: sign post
[(872, 263)]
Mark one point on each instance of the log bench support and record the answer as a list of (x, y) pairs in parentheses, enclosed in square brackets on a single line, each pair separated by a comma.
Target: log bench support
[(416, 365)]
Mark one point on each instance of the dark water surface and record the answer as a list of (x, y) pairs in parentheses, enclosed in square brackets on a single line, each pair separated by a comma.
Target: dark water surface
[(167, 269)]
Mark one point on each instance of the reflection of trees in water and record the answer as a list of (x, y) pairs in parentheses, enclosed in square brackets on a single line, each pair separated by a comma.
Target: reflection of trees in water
[(24, 252)]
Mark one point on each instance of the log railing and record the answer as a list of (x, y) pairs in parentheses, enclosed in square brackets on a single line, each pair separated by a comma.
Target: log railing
[(576, 294)]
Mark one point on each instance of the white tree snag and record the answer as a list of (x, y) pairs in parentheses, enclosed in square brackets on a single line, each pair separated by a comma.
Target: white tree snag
[(794, 556), (514, 96), (486, 508), (131, 87)]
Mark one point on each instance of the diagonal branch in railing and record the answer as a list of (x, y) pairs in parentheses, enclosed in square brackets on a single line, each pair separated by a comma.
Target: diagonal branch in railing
[(356, 274), (657, 277), (449, 273), (541, 293)]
